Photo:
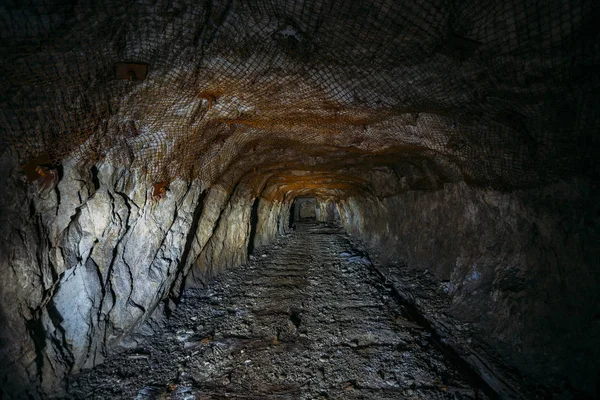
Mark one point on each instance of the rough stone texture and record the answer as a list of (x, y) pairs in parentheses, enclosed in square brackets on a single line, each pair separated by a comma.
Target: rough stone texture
[(90, 260), (83, 264), (267, 224), (519, 268), (286, 326), (396, 116), (502, 94), (228, 244)]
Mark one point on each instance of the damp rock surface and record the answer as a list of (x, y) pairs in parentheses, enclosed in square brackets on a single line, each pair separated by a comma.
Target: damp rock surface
[(306, 318)]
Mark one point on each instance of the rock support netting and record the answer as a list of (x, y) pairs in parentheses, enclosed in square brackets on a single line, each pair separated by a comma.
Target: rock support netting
[(500, 94), (150, 145)]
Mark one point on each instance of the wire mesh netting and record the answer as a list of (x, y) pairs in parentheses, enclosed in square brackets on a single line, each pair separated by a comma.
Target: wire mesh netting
[(502, 94)]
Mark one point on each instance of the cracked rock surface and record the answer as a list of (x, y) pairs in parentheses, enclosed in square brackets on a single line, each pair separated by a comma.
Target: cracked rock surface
[(305, 318)]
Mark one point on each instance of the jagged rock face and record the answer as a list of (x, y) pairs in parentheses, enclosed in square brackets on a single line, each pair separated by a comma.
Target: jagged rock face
[(396, 118), (287, 325), (91, 259), (520, 268)]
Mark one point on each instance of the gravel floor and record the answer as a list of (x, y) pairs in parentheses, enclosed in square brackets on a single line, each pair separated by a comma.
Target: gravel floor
[(306, 318)]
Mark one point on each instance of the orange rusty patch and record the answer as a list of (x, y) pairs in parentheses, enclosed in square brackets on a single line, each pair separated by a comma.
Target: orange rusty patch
[(37, 167), (160, 189), (210, 96)]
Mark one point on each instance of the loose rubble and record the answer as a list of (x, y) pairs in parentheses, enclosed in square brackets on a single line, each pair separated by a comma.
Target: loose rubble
[(305, 319)]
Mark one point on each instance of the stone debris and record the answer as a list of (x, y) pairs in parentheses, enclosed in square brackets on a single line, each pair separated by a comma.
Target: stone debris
[(285, 326)]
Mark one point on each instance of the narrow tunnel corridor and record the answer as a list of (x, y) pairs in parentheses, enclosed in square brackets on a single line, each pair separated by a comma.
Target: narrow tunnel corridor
[(151, 151), (306, 318)]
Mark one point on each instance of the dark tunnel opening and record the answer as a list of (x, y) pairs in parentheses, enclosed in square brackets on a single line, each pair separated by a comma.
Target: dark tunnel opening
[(305, 209), (253, 224), (291, 215)]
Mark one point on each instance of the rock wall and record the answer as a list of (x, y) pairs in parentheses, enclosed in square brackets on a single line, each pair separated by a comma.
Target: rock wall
[(228, 243), (86, 262), (330, 212), (519, 268), (268, 225)]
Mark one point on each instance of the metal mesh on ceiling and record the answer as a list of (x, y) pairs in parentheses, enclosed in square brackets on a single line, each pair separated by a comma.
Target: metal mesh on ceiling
[(500, 93)]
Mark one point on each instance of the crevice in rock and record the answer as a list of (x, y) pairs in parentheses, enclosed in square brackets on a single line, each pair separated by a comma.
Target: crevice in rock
[(60, 341), (253, 225), (95, 180), (462, 146), (128, 201), (35, 327), (175, 292)]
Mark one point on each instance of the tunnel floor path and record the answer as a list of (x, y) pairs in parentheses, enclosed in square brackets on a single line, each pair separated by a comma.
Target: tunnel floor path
[(306, 318)]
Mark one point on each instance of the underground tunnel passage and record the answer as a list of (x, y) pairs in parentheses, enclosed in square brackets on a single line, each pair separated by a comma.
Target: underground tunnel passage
[(303, 209), (299, 199)]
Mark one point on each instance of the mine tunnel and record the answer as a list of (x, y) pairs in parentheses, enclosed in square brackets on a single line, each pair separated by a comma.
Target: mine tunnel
[(304, 209), (299, 199)]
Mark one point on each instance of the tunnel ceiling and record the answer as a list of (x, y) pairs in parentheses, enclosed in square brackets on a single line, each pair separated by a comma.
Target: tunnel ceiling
[(308, 96)]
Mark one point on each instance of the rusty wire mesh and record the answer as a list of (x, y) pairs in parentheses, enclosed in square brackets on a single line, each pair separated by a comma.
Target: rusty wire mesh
[(500, 93)]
